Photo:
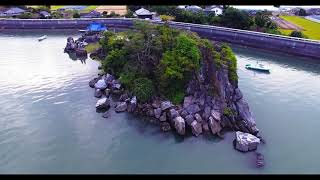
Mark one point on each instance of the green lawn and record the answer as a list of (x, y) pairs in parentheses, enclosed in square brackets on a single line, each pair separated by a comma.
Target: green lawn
[(311, 29), (89, 9), (56, 7), (86, 10), (92, 47)]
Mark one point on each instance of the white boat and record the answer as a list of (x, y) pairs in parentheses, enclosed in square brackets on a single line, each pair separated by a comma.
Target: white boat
[(258, 67), (42, 38)]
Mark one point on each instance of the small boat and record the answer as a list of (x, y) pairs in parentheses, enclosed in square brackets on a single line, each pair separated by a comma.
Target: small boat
[(258, 67), (82, 30), (42, 38)]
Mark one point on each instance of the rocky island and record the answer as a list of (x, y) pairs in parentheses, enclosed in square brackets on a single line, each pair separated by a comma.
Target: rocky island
[(187, 83)]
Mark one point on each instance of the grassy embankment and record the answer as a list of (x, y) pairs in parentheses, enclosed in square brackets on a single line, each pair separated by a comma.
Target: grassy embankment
[(92, 47), (311, 29)]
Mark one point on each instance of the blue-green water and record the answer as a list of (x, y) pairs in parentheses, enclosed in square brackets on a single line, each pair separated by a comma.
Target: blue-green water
[(49, 124)]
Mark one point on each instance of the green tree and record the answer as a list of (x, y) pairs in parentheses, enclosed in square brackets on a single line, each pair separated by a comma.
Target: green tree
[(143, 89), (301, 12), (235, 18), (298, 34), (76, 15), (129, 14)]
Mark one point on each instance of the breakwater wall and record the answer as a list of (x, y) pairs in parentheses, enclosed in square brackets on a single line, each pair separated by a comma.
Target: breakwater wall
[(275, 43)]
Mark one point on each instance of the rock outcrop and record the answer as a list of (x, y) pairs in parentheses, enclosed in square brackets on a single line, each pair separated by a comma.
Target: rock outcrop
[(245, 142), (103, 103)]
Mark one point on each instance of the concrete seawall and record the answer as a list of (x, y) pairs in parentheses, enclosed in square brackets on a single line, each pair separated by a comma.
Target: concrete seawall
[(275, 43)]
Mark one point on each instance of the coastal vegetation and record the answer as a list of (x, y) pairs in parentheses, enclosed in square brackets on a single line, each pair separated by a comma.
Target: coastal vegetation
[(158, 60), (311, 29), (92, 47)]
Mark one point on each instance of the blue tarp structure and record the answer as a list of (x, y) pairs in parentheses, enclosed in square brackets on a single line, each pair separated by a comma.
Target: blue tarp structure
[(96, 27)]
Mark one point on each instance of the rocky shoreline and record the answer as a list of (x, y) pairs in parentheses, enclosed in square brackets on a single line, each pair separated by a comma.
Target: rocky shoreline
[(202, 111)]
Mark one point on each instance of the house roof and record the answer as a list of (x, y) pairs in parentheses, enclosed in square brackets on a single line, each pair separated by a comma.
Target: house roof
[(143, 11), (193, 7), (211, 8), (14, 11)]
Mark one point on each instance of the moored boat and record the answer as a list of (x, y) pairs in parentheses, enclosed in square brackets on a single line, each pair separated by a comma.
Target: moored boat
[(258, 67), (42, 38)]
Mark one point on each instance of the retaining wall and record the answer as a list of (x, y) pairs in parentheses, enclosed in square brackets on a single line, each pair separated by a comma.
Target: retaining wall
[(276, 43)]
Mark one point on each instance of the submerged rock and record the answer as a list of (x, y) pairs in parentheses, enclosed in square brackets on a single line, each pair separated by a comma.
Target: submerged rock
[(165, 126), (259, 160), (103, 103), (246, 142), (179, 125), (121, 107), (106, 114)]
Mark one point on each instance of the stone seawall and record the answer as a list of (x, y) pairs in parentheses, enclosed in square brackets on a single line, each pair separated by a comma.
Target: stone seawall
[(275, 43)]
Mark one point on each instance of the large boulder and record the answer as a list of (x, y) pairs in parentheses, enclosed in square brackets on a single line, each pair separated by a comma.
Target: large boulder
[(93, 82), (163, 117), (132, 104), (196, 128), (173, 113), (184, 113), (166, 105), (246, 115), (107, 92), (97, 93), (246, 142), (214, 126), (206, 113), (205, 127), (124, 97), (157, 112), (156, 103), (101, 84), (216, 115), (108, 78), (103, 103), (198, 118), (179, 125), (188, 100), (193, 108), (189, 119), (121, 107)]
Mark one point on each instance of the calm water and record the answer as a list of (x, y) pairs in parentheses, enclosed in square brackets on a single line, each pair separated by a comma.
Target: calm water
[(49, 124)]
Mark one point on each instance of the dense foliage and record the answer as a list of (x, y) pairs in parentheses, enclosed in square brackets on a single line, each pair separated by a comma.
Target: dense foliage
[(231, 17), (298, 34), (159, 60)]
